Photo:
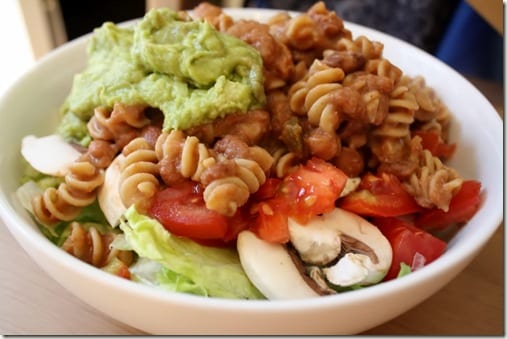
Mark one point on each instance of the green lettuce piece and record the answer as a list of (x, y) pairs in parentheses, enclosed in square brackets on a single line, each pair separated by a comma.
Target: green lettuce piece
[(175, 282), (42, 180), (152, 273), (404, 270), (190, 267), (90, 215)]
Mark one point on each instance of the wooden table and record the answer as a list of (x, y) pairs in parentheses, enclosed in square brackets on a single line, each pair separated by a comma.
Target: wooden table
[(32, 303)]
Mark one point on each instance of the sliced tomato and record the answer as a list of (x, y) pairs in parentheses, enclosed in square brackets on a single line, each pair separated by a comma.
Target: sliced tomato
[(380, 196), (410, 244), (433, 142), (312, 189), (267, 190), (462, 208), (182, 211), (309, 190), (272, 222), (240, 221)]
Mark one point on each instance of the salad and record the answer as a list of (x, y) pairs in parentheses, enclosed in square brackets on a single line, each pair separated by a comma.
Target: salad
[(231, 158)]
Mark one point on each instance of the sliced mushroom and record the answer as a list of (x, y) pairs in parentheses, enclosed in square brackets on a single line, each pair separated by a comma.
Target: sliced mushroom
[(316, 242), (271, 269), (368, 253), (50, 154), (109, 193)]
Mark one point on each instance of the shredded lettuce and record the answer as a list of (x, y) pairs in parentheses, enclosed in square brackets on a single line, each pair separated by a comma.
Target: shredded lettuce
[(404, 270), (185, 265), (42, 180)]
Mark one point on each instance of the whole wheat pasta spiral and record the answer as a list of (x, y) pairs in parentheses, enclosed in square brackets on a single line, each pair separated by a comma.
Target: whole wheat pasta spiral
[(214, 16), (190, 157), (302, 32), (402, 106), (384, 68), (118, 125), (65, 202), (284, 162), (432, 114), (367, 48), (139, 170), (375, 91), (309, 95), (433, 184), (90, 245), (390, 141), (224, 195)]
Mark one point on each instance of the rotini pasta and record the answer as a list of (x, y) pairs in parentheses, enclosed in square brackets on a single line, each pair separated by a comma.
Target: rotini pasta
[(432, 114), (139, 173), (311, 96), (433, 183), (224, 195), (182, 156), (284, 162), (66, 201), (392, 137), (87, 243), (120, 125), (362, 45)]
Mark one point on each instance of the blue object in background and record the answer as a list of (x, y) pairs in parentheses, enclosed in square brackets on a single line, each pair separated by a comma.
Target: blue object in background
[(471, 46)]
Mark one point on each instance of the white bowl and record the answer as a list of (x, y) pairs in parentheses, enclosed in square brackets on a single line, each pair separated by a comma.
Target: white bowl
[(31, 105)]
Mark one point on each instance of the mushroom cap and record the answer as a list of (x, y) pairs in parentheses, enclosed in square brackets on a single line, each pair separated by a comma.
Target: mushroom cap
[(271, 269), (108, 194), (373, 253), (51, 154)]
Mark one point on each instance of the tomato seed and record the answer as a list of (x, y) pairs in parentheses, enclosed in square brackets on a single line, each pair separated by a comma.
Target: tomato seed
[(267, 210), (310, 200)]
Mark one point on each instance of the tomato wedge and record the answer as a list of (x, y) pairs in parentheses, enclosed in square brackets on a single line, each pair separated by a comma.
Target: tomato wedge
[(410, 244), (309, 190), (433, 142), (182, 211), (462, 208), (380, 196), (272, 222), (312, 189)]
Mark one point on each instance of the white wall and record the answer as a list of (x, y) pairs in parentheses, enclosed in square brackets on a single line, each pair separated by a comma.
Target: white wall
[(16, 54)]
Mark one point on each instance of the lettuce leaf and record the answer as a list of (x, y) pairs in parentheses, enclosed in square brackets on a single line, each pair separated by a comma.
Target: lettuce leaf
[(188, 266), (404, 270)]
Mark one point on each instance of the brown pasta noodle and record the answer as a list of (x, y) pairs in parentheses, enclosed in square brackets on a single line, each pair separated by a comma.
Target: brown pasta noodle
[(432, 114), (362, 45), (310, 95), (433, 184), (139, 173), (383, 68), (120, 125), (224, 195), (65, 202), (93, 247), (186, 155), (284, 162)]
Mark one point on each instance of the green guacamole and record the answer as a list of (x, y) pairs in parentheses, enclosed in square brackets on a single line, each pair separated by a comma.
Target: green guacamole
[(191, 72)]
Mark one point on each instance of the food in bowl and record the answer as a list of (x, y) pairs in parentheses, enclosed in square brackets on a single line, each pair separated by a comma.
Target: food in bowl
[(232, 158)]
